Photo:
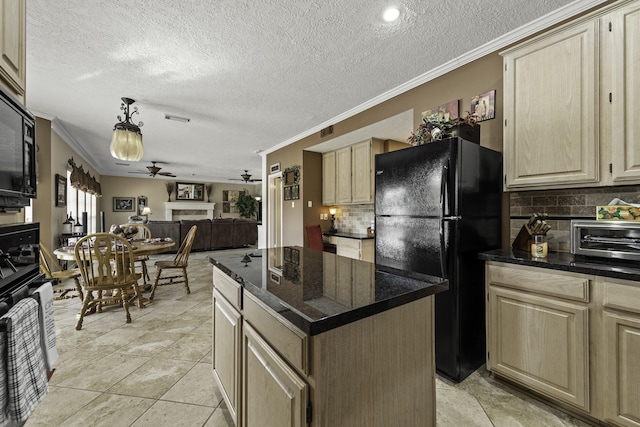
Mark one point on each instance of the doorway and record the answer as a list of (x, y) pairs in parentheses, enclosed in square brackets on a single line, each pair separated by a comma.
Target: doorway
[(275, 211)]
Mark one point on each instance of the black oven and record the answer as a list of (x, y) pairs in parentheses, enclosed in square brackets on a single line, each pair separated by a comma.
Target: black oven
[(19, 258)]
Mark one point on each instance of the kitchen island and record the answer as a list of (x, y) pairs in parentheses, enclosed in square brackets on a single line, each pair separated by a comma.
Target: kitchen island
[(303, 337)]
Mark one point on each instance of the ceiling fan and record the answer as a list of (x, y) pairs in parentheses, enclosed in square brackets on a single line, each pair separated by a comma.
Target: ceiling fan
[(246, 177), (154, 170)]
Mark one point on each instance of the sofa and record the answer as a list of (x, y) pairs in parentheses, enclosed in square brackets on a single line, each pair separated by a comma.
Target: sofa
[(220, 233)]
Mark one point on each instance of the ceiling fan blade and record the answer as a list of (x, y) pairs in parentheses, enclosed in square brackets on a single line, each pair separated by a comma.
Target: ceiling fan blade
[(166, 173), (146, 173)]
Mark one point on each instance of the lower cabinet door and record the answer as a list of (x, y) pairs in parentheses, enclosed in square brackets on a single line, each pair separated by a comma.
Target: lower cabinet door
[(273, 394), (623, 364), (227, 337), (540, 342)]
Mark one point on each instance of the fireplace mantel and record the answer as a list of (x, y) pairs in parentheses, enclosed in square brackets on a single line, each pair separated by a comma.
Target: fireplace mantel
[(169, 207)]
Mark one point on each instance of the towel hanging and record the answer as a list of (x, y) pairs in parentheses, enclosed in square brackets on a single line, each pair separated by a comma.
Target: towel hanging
[(25, 370)]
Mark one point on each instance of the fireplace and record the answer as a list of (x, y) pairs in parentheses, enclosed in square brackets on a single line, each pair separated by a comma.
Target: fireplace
[(188, 210)]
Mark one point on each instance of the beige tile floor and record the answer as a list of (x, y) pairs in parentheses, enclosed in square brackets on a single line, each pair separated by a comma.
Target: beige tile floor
[(156, 371)]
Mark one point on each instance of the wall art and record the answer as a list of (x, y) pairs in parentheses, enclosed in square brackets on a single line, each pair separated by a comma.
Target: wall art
[(484, 106)]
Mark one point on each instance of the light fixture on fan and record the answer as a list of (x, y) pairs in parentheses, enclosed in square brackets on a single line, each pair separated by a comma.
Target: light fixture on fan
[(126, 143)]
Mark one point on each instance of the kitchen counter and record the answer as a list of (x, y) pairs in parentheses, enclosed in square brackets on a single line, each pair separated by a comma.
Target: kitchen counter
[(619, 269), (318, 291), (360, 236)]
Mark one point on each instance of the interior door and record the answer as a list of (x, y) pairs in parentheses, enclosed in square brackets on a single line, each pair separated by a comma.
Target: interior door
[(275, 210)]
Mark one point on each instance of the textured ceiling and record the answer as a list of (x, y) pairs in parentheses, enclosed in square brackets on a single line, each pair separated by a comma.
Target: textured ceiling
[(250, 74)]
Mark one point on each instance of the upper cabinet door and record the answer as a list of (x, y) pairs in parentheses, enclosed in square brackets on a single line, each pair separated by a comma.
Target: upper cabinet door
[(362, 184), (551, 110), (625, 57), (329, 178), (343, 175), (12, 46)]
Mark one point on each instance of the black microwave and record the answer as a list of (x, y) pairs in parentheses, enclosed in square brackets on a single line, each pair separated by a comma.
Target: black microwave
[(18, 158)]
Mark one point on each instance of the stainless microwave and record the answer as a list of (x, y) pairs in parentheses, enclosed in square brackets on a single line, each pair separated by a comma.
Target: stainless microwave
[(606, 239), (18, 148)]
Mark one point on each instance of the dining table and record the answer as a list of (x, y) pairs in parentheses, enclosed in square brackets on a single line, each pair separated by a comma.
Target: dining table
[(141, 248)]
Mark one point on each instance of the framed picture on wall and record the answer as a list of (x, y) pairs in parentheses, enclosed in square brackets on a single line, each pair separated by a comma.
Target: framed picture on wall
[(287, 193), (123, 204), (142, 203), (448, 111), (189, 191), (484, 106), (61, 190)]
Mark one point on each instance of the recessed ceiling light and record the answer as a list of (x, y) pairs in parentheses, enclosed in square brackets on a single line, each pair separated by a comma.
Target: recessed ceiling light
[(391, 14)]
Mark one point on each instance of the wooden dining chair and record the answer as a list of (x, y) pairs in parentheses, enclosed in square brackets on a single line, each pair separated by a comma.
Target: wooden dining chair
[(52, 269), (179, 264), (143, 233), (106, 262)]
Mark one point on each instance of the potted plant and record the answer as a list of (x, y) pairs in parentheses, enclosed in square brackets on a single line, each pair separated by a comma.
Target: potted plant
[(435, 127), (246, 204)]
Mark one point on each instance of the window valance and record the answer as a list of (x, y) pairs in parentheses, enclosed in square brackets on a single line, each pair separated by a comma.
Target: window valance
[(83, 181)]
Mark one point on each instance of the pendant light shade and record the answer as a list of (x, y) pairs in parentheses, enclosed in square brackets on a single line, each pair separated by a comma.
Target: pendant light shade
[(126, 143)]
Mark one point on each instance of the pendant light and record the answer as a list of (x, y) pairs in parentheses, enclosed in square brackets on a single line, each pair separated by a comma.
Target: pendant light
[(126, 143)]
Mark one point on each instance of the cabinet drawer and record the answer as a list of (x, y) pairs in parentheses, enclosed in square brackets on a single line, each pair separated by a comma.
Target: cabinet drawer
[(622, 296), (288, 340), (349, 244), (560, 284), (228, 288)]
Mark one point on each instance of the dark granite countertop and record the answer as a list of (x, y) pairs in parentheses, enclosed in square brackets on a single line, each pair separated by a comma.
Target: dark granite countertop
[(619, 269), (361, 236), (319, 291)]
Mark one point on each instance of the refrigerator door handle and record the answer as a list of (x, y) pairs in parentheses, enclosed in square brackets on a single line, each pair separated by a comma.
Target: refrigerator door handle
[(443, 251), (443, 189)]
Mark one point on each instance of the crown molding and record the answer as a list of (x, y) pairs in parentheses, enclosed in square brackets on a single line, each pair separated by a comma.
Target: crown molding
[(546, 21), (59, 129)]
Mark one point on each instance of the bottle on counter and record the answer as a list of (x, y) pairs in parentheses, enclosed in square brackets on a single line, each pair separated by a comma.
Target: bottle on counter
[(539, 245)]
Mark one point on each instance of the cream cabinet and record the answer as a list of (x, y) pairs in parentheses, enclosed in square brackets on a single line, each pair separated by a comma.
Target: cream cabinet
[(227, 340), (551, 110), (348, 173), (362, 169), (571, 337), (274, 395), (622, 346), (362, 249), (569, 104), (538, 331), (621, 66), (13, 46), (227, 333), (343, 175), (256, 371), (329, 178)]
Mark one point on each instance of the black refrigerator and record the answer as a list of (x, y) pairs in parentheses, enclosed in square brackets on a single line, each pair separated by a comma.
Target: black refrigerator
[(436, 206)]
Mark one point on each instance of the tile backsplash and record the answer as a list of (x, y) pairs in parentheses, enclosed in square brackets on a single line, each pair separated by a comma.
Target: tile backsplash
[(563, 206), (354, 218)]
